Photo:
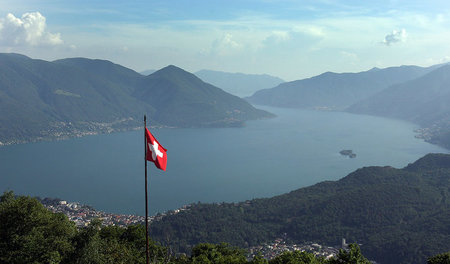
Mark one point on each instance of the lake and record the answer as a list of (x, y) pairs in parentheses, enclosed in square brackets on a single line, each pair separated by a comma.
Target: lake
[(265, 158)]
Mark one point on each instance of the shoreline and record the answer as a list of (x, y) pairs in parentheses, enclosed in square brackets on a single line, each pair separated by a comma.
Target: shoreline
[(427, 134), (82, 214)]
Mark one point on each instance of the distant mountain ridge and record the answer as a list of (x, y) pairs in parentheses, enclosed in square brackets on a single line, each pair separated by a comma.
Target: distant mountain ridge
[(239, 84), (147, 72), (335, 90), (182, 99), (72, 97), (398, 215), (424, 101)]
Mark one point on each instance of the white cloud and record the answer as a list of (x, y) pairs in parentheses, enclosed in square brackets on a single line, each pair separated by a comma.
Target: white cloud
[(445, 59), (29, 30), (394, 37), (279, 36), (311, 30), (225, 45), (349, 55), (228, 41)]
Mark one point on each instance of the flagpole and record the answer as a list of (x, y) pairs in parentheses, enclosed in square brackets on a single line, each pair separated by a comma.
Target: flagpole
[(147, 256)]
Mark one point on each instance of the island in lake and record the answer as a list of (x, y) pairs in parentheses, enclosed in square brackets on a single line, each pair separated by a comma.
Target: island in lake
[(348, 152)]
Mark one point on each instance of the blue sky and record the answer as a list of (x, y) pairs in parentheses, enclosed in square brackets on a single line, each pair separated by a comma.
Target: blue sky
[(286, 38)]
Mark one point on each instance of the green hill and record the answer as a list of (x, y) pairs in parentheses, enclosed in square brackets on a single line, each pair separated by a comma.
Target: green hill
[(69, 97), (182, 99), (335, 90), (398, 215)]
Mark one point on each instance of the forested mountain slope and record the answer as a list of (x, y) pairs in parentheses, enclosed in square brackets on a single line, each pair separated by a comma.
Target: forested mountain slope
[(41, 99), (398, 215)]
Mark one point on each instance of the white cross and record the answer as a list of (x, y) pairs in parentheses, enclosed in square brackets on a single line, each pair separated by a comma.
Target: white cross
[(155, 150)]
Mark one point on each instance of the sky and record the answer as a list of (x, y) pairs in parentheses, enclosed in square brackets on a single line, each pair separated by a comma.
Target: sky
[(289, 39)]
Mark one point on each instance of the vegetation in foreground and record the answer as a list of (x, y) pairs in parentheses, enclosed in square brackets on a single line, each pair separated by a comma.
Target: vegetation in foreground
[(398, 215), (29, 233)]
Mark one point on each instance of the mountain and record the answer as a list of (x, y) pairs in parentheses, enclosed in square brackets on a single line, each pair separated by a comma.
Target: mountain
[(147, 72), (39, 97), (424, 101), (182, 99), (398, 215), (76, 96), (238, 83), (335, 90)]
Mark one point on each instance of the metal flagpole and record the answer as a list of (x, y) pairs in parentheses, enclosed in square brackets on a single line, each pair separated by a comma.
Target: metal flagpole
[(146, 195)]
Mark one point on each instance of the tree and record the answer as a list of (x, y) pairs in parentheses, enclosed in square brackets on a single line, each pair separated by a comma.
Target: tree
[(443, 258), (111, 244), (258, 259), (217, 254), (296, 257), (351, 256), (32, 234)]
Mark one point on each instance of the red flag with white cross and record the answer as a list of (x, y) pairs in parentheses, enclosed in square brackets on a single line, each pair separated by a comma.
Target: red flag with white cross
[(155, 152)]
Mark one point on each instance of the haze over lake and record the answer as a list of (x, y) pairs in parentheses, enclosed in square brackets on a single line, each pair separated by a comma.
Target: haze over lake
[(265, 158)]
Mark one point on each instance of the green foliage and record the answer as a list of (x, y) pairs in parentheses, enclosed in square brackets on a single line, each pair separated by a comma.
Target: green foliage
[(29, 233), (258, 259), (443, 258), (351, 256), (32, 234), (111, 244), (398, 215), (217, 254), (296, 257)]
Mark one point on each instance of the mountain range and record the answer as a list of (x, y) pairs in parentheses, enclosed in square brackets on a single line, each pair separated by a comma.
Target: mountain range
[(410, 93), (238, 83), (397, 215), (41, 99), (335, 91), (424, 101)]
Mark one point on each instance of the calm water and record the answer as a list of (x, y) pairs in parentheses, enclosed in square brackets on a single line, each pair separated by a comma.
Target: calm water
[(265, 158)]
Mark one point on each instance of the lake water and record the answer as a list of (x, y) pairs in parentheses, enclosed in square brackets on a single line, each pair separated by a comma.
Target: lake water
[(266, 158)]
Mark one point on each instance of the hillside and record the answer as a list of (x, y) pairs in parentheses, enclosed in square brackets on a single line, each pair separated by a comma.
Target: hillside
[(239, 84), (424, 101), (398, 215), (72, 97), (182, 99), (335, 90)]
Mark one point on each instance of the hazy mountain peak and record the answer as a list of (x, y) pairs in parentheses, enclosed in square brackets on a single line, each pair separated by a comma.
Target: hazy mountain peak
[(176, 75), (171, 69), (147, 72), (90, 63), (14, 55), (335, 90), (239, 84)]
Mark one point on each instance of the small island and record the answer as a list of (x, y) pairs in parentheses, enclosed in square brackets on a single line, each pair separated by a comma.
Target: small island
[(348, 152)]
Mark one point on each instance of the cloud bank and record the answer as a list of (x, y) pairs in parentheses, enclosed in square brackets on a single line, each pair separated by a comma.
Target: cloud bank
[(29, 30)]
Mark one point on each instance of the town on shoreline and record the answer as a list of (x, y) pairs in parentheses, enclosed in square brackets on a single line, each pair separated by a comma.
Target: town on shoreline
[(82, 215)]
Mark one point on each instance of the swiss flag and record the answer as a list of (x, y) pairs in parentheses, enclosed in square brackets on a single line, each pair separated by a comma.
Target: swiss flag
[(155, 152)]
